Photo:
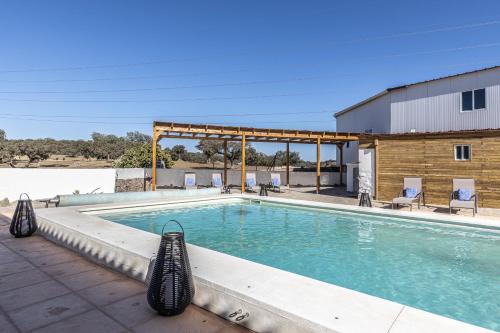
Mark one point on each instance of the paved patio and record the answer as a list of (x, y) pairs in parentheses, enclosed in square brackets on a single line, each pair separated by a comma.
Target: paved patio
[(47, 288), (338, 195)]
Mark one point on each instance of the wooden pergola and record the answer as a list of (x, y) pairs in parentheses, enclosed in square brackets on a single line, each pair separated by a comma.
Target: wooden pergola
[(162, 130)]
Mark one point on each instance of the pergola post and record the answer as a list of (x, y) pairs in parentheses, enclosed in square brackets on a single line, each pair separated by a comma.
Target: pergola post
[(153, 166), (287, 163), (225, 162), (318, 165), (340, 146), (243, 157)]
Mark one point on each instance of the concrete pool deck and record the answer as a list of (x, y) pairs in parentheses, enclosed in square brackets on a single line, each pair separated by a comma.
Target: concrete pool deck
[(276, 301), (48, 288)]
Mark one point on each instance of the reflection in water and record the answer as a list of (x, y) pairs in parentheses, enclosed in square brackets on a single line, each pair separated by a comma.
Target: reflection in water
[(365, 234)]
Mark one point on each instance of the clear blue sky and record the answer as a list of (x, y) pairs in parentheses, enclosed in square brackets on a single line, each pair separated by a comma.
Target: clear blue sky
[(59, 59)]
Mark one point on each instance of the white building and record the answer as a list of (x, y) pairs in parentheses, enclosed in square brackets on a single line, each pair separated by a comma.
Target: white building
[(466, 101)]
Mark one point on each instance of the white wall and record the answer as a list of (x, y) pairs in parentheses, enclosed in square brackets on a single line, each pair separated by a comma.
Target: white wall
[(175, 177), (435, 106), (374, 115), (350, 153), (47, 183), (367, 169)]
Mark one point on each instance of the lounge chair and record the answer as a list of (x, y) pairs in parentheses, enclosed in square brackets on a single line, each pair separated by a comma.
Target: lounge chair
[(411, 192), (276, 183), (251, 182), (464, 195), (217, 182), (189, 181)]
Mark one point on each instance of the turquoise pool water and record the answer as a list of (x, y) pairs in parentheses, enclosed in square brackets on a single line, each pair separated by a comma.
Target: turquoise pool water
[(451, 271)]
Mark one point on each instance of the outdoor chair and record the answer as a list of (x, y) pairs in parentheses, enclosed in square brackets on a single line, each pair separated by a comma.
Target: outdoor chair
[(251, 182), (217, 182), (189, 181), (411, 192), (276, 183), (464, 195)]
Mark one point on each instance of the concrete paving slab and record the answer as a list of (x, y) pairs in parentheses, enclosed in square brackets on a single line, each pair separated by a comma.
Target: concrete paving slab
[(8, 256), (89, 279), (54, 259), (70, 268), (233, 329), (44, 313), (20, 297), (6, 326), (113, 291), (22, 279), (32, 249), (412, 320), (15, 267), (131, 311), (193, 320), (93, 321)]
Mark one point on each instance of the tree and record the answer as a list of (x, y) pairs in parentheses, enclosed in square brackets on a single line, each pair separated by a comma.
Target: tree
[(210, 148), (233, 152), (107, 146), (35, 150), (3, 136), (252, 156), (138, 137), (8, 153), (140, 156), (178, 151)]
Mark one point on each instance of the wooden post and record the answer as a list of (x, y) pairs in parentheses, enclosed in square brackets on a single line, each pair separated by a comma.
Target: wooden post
[(340, 146), (225, 162), (318, 165), (375, 195), (287, 163), (243, 157), (153, 165)]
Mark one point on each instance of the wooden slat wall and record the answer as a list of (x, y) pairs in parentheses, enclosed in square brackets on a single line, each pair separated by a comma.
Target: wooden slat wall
[(433, 159)]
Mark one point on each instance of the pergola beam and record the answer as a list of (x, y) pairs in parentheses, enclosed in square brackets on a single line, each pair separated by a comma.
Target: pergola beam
[(238, 139), (254, 132)]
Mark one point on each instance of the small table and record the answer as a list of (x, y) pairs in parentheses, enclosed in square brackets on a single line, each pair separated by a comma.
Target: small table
[(263, 190), (364, 199)]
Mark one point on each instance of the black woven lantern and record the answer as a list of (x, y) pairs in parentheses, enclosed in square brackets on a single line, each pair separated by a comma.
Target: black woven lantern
[(171, 288), (23, 222)]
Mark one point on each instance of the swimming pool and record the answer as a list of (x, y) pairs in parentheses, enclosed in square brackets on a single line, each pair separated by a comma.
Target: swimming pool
[(448, 270)]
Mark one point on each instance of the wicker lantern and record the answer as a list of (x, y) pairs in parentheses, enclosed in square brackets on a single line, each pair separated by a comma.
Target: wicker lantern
[(171, 288), (23, 222)]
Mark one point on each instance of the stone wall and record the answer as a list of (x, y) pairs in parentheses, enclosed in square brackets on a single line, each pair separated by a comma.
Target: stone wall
[(130, 185)]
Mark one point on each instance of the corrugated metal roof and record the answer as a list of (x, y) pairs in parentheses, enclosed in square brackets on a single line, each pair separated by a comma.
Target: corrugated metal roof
[(386, 91)]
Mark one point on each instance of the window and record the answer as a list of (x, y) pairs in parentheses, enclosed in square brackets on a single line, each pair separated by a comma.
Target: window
[(474, 100), (347, 145), (462, 153), (479, 99)]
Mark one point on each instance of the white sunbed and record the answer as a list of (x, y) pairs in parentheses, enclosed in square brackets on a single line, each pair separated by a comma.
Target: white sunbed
[(251, 182), (190, 181), (276, 183)]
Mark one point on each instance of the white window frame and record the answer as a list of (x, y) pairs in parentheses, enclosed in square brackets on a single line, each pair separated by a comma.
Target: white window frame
[(462, 145), (473, 109)]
